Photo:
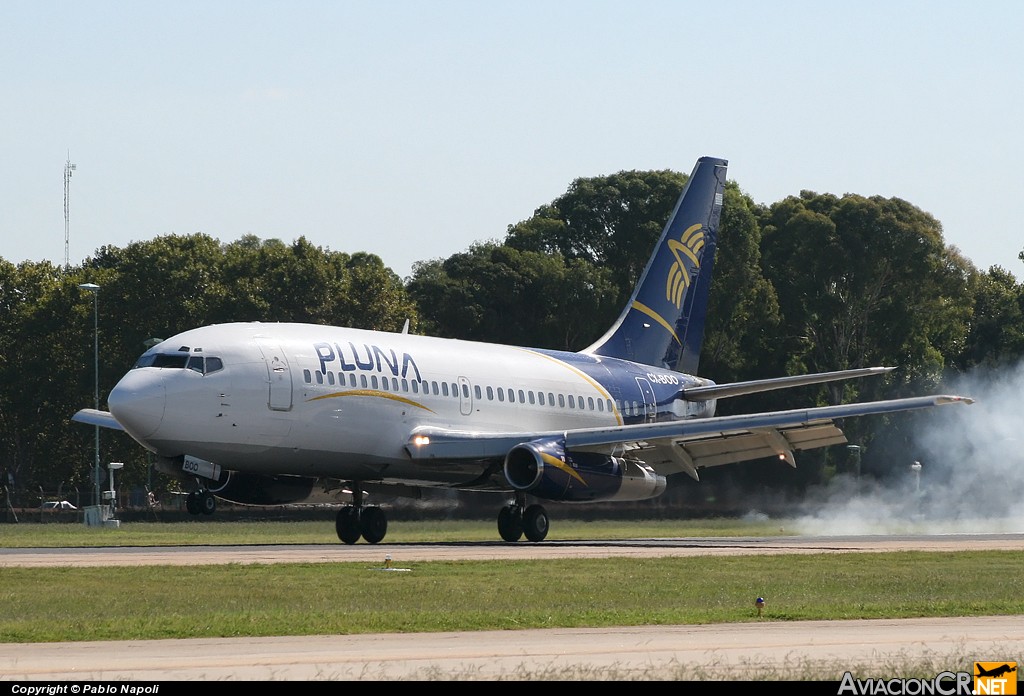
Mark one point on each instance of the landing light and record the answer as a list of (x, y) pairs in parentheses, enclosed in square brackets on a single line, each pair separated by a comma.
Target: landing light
[(421, 440)]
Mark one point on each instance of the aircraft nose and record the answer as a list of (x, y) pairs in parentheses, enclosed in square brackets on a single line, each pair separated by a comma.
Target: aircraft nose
[(138, 400)]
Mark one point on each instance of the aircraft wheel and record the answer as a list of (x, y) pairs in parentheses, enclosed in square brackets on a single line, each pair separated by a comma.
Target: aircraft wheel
[(192, 503), (374, 523), (535, 523), (510, 523), (207, 503), (347, 524)]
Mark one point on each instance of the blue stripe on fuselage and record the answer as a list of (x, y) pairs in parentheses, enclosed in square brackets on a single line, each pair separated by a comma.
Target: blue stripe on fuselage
[(632, 383)]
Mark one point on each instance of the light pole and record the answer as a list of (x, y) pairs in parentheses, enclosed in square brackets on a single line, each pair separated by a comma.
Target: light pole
[(113, 466), (916, 468), (95, 290), (855, 451)]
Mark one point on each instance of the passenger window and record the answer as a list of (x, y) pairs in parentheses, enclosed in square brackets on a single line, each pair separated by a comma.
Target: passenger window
[(490, 393), (307, 377)]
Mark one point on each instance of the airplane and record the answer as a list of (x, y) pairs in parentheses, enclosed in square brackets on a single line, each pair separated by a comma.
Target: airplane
[(995, 672), (264, 413)]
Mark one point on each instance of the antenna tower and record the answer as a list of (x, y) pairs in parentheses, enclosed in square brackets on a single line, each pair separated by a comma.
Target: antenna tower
[(68, 169)]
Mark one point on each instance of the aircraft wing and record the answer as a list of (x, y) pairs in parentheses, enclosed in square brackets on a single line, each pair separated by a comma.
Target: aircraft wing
[(91, 416), (684, 445)]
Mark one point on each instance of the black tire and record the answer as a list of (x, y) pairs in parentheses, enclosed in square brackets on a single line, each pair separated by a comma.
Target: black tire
[(374, 523), (192, 503), (510, 523), (207, 503), (535, 523), (347, 524)]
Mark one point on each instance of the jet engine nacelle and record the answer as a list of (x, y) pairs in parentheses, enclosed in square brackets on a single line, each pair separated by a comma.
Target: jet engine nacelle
[(544, 469)]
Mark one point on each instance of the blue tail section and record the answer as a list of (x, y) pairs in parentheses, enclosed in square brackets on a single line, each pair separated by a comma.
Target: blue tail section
[(663, 325)]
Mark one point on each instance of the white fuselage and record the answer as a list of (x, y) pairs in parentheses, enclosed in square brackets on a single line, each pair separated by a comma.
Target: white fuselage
[(335, 402)]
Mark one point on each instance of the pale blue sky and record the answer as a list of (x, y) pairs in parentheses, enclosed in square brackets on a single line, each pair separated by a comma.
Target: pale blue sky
[(414, 129)]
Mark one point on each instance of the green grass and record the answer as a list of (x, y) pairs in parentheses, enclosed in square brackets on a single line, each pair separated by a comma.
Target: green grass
[(66, 535), (75, 604)]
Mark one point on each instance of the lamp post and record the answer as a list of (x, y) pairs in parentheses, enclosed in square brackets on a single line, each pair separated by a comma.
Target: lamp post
[(113, 466), (855, 451), (916, 469), (95, 290)]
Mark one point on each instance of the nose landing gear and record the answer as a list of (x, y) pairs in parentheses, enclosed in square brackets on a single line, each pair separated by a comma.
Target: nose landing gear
[(201, 501)]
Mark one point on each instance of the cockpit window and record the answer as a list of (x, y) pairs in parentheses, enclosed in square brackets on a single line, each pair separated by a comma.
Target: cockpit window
[(173, 360), (205, 365), (202, 365)]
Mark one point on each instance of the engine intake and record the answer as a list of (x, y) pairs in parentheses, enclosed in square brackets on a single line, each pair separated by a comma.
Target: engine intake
[(544, 469)]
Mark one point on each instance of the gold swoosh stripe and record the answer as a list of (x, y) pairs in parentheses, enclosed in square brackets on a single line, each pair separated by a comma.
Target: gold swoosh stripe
[(594, 383), (374, 393), (640, 307), (559, 464)]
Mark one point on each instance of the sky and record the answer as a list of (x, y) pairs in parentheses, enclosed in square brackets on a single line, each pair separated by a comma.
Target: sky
[(413, 130)]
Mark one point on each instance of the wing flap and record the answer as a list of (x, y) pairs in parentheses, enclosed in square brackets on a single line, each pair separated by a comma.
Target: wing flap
[(729, 448)]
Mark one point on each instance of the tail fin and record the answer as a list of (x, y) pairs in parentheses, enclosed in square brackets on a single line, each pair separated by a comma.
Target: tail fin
[(663, 325)]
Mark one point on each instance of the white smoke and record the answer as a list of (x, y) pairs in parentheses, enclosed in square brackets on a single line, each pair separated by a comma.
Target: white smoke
[(971, 475)]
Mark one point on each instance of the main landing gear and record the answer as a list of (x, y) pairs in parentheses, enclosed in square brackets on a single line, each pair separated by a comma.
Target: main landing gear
[(517, 519), (200, 502), (357, 520)]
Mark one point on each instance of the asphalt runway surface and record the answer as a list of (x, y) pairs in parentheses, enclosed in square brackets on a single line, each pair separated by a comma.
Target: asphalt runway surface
[(761, 649)]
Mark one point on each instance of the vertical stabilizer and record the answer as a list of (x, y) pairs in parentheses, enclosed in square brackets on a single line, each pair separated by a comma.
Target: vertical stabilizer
[(663, 325)]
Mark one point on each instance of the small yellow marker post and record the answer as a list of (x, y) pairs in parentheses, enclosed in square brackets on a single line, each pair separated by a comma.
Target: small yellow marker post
[(760, 606)]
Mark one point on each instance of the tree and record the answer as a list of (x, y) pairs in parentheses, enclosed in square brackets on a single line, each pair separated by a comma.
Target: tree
[(996, 335), (864, 281), (612, 222), (501, 294)]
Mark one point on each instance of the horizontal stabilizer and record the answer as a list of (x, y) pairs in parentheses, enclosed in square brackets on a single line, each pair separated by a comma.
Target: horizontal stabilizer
[(721, 391)]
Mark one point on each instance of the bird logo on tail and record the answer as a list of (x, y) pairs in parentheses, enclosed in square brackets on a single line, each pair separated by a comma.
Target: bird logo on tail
[(689, 245)]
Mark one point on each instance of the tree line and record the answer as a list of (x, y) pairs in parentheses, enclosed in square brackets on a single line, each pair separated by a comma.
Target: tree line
[(814, 282)]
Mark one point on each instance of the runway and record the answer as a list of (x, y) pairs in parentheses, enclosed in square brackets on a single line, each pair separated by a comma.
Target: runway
[(755, 650)]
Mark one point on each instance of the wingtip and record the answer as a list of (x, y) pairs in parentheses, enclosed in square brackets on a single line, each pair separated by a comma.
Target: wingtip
[(950, 399)]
